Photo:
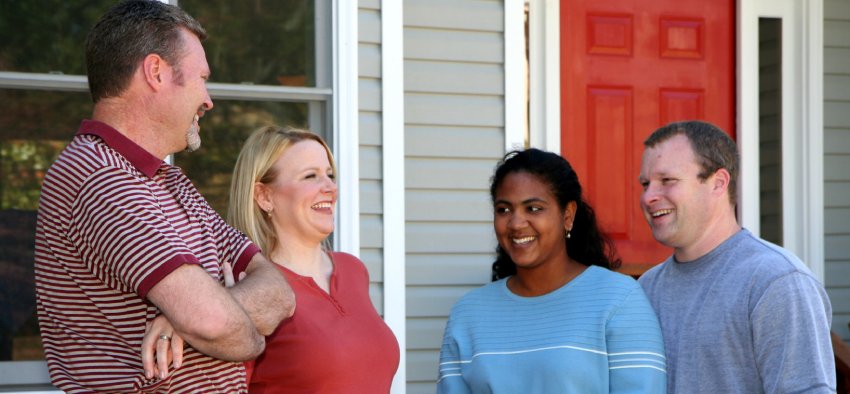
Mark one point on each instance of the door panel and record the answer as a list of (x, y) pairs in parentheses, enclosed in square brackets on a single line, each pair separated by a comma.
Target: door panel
[(628, 67)]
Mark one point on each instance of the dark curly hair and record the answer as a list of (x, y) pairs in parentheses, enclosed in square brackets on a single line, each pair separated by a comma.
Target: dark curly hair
[(587, 244)]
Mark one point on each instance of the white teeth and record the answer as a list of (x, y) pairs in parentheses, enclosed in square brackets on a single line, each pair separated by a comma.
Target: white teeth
[(323, 205), (524, 240), (661, 212)]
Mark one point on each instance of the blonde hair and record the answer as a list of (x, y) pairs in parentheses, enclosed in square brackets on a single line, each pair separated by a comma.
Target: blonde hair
[(256, 164)]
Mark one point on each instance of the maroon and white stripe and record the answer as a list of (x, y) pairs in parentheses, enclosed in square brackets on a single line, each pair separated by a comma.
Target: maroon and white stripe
[(106, 233)]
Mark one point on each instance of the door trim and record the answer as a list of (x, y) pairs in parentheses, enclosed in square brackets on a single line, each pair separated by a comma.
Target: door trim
[(802, 119)]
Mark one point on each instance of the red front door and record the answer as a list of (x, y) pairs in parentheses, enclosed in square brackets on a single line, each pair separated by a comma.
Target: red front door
[(628, 67)]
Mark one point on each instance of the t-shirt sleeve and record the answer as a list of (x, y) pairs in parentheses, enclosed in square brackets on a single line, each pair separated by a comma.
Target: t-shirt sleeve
[(122, 233), (793, 349), (233, 246), (450, 379), (636, 361)]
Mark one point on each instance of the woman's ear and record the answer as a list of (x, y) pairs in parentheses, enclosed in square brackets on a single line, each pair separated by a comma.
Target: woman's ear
[(262, 196), (570, 215)]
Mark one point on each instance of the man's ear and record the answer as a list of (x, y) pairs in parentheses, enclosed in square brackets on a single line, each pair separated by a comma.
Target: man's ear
[(154, 69), (720, 180)]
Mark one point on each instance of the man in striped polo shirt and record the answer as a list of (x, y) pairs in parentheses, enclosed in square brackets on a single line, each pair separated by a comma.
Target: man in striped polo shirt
[(124, 240)]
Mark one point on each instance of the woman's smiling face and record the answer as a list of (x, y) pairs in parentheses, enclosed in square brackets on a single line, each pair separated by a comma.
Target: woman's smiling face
[(530, 225)]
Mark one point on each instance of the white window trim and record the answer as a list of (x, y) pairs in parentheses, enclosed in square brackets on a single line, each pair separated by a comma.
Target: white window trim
[(516, 75), (346, 125), (392, 137), (802, 123), (544, 74)]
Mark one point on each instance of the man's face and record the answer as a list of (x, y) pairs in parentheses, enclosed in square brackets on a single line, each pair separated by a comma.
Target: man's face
[(677, 205), (191, 97)]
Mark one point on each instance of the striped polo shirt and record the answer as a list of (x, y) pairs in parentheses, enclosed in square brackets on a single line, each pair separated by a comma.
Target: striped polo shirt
[(113, 220)]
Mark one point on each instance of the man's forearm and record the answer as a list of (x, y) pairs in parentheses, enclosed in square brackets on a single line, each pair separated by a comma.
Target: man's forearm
[(264, 294)]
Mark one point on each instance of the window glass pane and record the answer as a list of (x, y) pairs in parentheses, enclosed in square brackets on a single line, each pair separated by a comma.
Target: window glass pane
[(34, 127), (223, 131), (770, 129), (47, 36), (263, 42)]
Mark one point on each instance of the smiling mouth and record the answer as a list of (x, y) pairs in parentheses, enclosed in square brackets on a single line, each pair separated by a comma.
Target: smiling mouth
[(523, 240), (660, 213), (322, 205)]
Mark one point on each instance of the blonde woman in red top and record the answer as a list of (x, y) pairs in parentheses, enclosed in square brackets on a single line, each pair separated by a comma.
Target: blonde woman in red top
[(283, 196)]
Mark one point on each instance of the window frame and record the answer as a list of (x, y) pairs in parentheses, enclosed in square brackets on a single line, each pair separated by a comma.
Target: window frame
[(336, 91)]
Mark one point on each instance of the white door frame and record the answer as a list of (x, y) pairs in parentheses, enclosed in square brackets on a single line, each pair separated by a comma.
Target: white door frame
[(802, 111)]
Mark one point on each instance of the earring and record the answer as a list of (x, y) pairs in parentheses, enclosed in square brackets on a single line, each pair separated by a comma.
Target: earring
[(568, 235), (269, 212)]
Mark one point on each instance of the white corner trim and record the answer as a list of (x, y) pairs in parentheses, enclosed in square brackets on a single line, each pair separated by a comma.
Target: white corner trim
[(516, 76), (392, 136), (345, 124), (812, 156), (802, 123), (544, 75)]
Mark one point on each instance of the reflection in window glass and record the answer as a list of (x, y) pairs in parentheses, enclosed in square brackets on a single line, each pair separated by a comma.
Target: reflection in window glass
[(263, 42), (34, 127), (47, 36), (223, 130)]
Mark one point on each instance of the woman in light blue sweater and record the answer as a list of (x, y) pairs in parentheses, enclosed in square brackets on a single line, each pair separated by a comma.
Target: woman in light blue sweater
[(555, 319)]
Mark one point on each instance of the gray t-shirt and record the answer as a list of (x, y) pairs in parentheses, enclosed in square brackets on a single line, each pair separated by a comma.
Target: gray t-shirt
[(748, 317)]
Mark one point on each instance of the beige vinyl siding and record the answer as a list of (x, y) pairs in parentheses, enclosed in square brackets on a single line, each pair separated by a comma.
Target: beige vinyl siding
[(454, 135), (369, 125), (837, 160)]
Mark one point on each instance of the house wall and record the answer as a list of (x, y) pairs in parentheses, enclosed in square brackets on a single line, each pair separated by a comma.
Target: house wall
[(369, 124), (836, 88), (454, 135)]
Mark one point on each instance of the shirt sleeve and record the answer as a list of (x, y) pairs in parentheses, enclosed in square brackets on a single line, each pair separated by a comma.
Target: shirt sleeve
[(793, 349), (450, 378), (232, 245), (636, 361), (122, 233)]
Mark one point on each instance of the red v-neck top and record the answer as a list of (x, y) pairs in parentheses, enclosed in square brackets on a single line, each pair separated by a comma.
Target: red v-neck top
[(334, 343)]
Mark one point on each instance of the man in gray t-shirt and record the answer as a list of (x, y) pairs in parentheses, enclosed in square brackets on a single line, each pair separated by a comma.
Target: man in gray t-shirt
[(738, 314)]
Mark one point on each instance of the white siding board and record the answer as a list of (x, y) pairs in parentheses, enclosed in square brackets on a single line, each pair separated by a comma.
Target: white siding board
[(455, 14), (833, 31), (370, 128), (433, 301), (836, 60), (370, 162), (837, 221), (839, 325), (449, 141), (369, 4), (456, 174), (837, 247), (369, 94), (449, 77), (839, 140), (836, 10), (425, 333), (422, 366), (376, 294), (838, 297), (369, 60), (449, 238), (371, 231), (840, 274), (454, 110), (453, 45), (836, 168), (372, 258), (471, 269), (448, 206), (369, 26), (371, 196), (837, 194)]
